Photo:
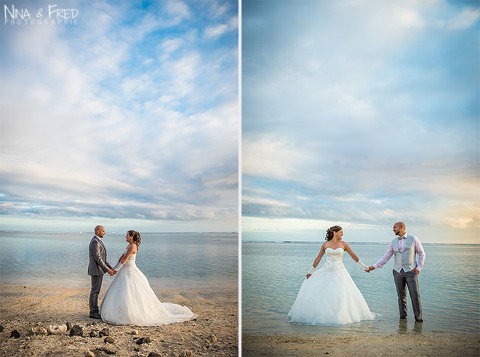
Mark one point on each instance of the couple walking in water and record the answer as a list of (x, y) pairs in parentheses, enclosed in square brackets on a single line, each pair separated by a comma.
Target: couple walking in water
[(329, 295)]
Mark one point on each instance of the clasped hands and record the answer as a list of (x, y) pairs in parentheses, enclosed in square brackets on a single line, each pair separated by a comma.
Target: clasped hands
[(370, 268), (112, 272)]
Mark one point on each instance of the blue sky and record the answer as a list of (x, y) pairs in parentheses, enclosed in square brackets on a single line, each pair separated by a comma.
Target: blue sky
[(128, 118), (360, 113)]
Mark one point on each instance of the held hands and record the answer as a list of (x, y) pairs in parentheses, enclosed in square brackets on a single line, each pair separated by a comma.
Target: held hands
[(309, 275), (372, 268), (112, 272)]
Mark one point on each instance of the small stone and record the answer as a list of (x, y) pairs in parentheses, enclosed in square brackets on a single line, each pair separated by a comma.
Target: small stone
[(39, 330), (104, 349), (27, 347), (105, 332), (15, 334), (89, 353), (109, 339), (57, 330), (94, 333), (134, 332), (154, 354), (76, 331), (143, 340), (211, 339), (186, 353)]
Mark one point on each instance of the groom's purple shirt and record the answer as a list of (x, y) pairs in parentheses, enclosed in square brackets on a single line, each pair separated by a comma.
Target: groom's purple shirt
[(401, 246)]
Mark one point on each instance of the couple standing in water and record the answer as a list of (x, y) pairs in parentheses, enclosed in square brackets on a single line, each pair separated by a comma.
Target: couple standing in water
[(329, 295), (129, 300)]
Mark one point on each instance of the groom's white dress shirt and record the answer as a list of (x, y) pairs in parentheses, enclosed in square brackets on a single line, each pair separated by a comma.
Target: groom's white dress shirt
[(401, 246)]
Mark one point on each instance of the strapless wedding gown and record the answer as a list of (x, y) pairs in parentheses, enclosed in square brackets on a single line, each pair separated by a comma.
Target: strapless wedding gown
[(131, 301), (329, 296)]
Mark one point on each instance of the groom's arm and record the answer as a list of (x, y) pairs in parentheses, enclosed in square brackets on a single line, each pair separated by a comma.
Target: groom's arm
[(386, 257), (421, 254), (97, 256)]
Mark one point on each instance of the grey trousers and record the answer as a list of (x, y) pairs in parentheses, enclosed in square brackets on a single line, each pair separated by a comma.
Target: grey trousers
[(96, 285), (410, 279)]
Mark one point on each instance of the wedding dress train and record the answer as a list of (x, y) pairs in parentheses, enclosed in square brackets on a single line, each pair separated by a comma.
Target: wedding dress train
[(330, 296), (131, 301)]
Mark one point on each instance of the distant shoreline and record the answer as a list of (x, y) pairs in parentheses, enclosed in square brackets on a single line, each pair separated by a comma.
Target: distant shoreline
[(162, 232), (349, 242)]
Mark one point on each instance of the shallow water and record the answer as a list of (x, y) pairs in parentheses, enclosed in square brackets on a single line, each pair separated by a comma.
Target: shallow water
[(168, 260), (449, 287)]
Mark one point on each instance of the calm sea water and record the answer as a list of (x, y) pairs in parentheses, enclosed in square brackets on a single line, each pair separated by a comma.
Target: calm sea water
[(168, 260), (449, 288)]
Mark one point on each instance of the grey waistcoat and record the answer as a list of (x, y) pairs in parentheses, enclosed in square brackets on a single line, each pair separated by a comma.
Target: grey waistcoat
[(405, 260)]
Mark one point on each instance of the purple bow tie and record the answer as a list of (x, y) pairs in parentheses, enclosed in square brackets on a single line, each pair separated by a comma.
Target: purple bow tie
[(403, 237)]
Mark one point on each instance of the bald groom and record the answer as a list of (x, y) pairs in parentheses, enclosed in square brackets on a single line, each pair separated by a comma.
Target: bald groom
[(97, 267), (405, 268)]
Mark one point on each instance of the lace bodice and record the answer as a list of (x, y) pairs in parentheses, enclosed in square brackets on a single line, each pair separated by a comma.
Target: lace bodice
[(333, 259)]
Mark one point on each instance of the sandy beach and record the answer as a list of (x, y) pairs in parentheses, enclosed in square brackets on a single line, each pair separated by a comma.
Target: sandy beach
[(23, 308), (410, 344)]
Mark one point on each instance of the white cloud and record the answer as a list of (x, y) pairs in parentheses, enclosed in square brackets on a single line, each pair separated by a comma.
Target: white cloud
[(215, 31), (171, 45), (246, 199), (179, 8), (465, 19), (271, 157)]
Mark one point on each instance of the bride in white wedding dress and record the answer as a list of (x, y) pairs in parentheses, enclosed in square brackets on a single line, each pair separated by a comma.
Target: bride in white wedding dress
[(131, 301), (329, 295)]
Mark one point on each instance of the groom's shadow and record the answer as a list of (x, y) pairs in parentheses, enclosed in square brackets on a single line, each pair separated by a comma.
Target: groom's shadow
[(403, 327)]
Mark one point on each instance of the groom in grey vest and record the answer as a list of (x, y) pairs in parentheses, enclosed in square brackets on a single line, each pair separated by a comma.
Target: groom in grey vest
[(405, 268), (97, 267)]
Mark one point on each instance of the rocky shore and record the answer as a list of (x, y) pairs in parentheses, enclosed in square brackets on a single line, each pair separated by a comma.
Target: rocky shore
[(52, 321)]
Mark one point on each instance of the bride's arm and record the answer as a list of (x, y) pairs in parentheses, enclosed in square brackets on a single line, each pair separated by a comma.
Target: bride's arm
[(130, 250), (317, 260), (319, 256), (124, 257), (354, 256)]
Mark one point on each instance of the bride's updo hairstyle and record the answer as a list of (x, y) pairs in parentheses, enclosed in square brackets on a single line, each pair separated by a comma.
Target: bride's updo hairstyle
[(136, 237), (331, 231)]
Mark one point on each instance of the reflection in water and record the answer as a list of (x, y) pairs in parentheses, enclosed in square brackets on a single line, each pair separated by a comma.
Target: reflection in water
[(418, 327), (403, 327)]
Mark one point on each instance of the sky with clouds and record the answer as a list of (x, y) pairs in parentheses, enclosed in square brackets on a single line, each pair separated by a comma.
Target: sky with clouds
[(129, 117), (360, 113)]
